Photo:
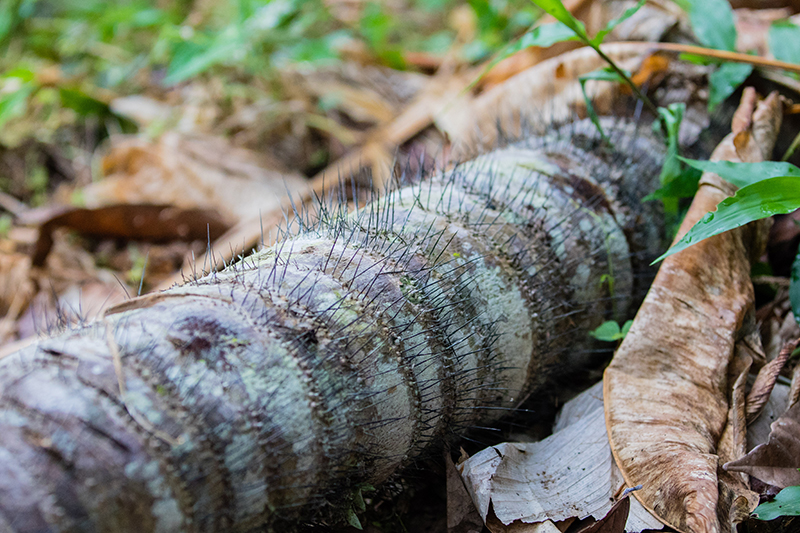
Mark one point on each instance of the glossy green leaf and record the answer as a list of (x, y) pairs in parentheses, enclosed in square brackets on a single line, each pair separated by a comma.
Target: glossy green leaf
[(769, 197), (784, 41), (725, 80), (744, 174), (786, 503), (353, 520)]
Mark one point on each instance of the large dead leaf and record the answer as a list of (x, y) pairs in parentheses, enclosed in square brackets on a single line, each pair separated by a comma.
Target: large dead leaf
[(668, 388)]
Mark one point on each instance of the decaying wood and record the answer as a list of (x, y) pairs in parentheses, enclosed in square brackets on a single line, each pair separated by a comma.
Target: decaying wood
[(667, 389), (257, 395)]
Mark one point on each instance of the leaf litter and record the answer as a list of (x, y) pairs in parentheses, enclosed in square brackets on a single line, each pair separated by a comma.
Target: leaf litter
[(392, 125)]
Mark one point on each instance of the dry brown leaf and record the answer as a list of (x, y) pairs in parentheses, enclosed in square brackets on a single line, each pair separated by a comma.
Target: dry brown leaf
[(190, 172), (614, 521), (570, 474), (794, 392), (667, 390), (777, 461), (16, 290), (198, 172), (735, 500), (152, 223), (765, 381), (549, 91)]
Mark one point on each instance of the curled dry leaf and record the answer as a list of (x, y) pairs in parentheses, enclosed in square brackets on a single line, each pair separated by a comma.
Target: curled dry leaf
[(777, 461), (570, 474), (614, 521), (152, 223), (668, 387), (765, 381)]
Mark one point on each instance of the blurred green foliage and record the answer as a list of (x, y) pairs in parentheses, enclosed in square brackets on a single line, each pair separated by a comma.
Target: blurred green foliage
[(64, 61), (128, 46)]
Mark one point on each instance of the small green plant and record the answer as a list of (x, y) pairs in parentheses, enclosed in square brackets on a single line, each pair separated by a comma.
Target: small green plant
[(611, 331), (677, 180), (786, 503)]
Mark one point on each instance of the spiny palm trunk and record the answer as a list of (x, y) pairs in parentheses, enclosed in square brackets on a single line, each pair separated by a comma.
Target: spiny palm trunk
[(336, 357)]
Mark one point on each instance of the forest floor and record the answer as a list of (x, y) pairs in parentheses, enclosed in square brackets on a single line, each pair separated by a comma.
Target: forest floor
[(144, 143)]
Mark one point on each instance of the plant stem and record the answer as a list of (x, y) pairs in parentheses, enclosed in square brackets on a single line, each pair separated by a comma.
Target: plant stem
[(639, 94)]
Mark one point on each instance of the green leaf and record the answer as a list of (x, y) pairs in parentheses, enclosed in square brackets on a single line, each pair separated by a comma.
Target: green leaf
[(22, 73), (14, 104), (784, 41), (672, 171), (786, 503), (712, 22), (604, 74), (557, 10), (684, 185), (671, 118), (794, 288), (191, 58), (82, 103), (598, 39), (769, 197), (626, 327), (744, 174), (358, 501), (353, 520), (607, 331), (725, 80)]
